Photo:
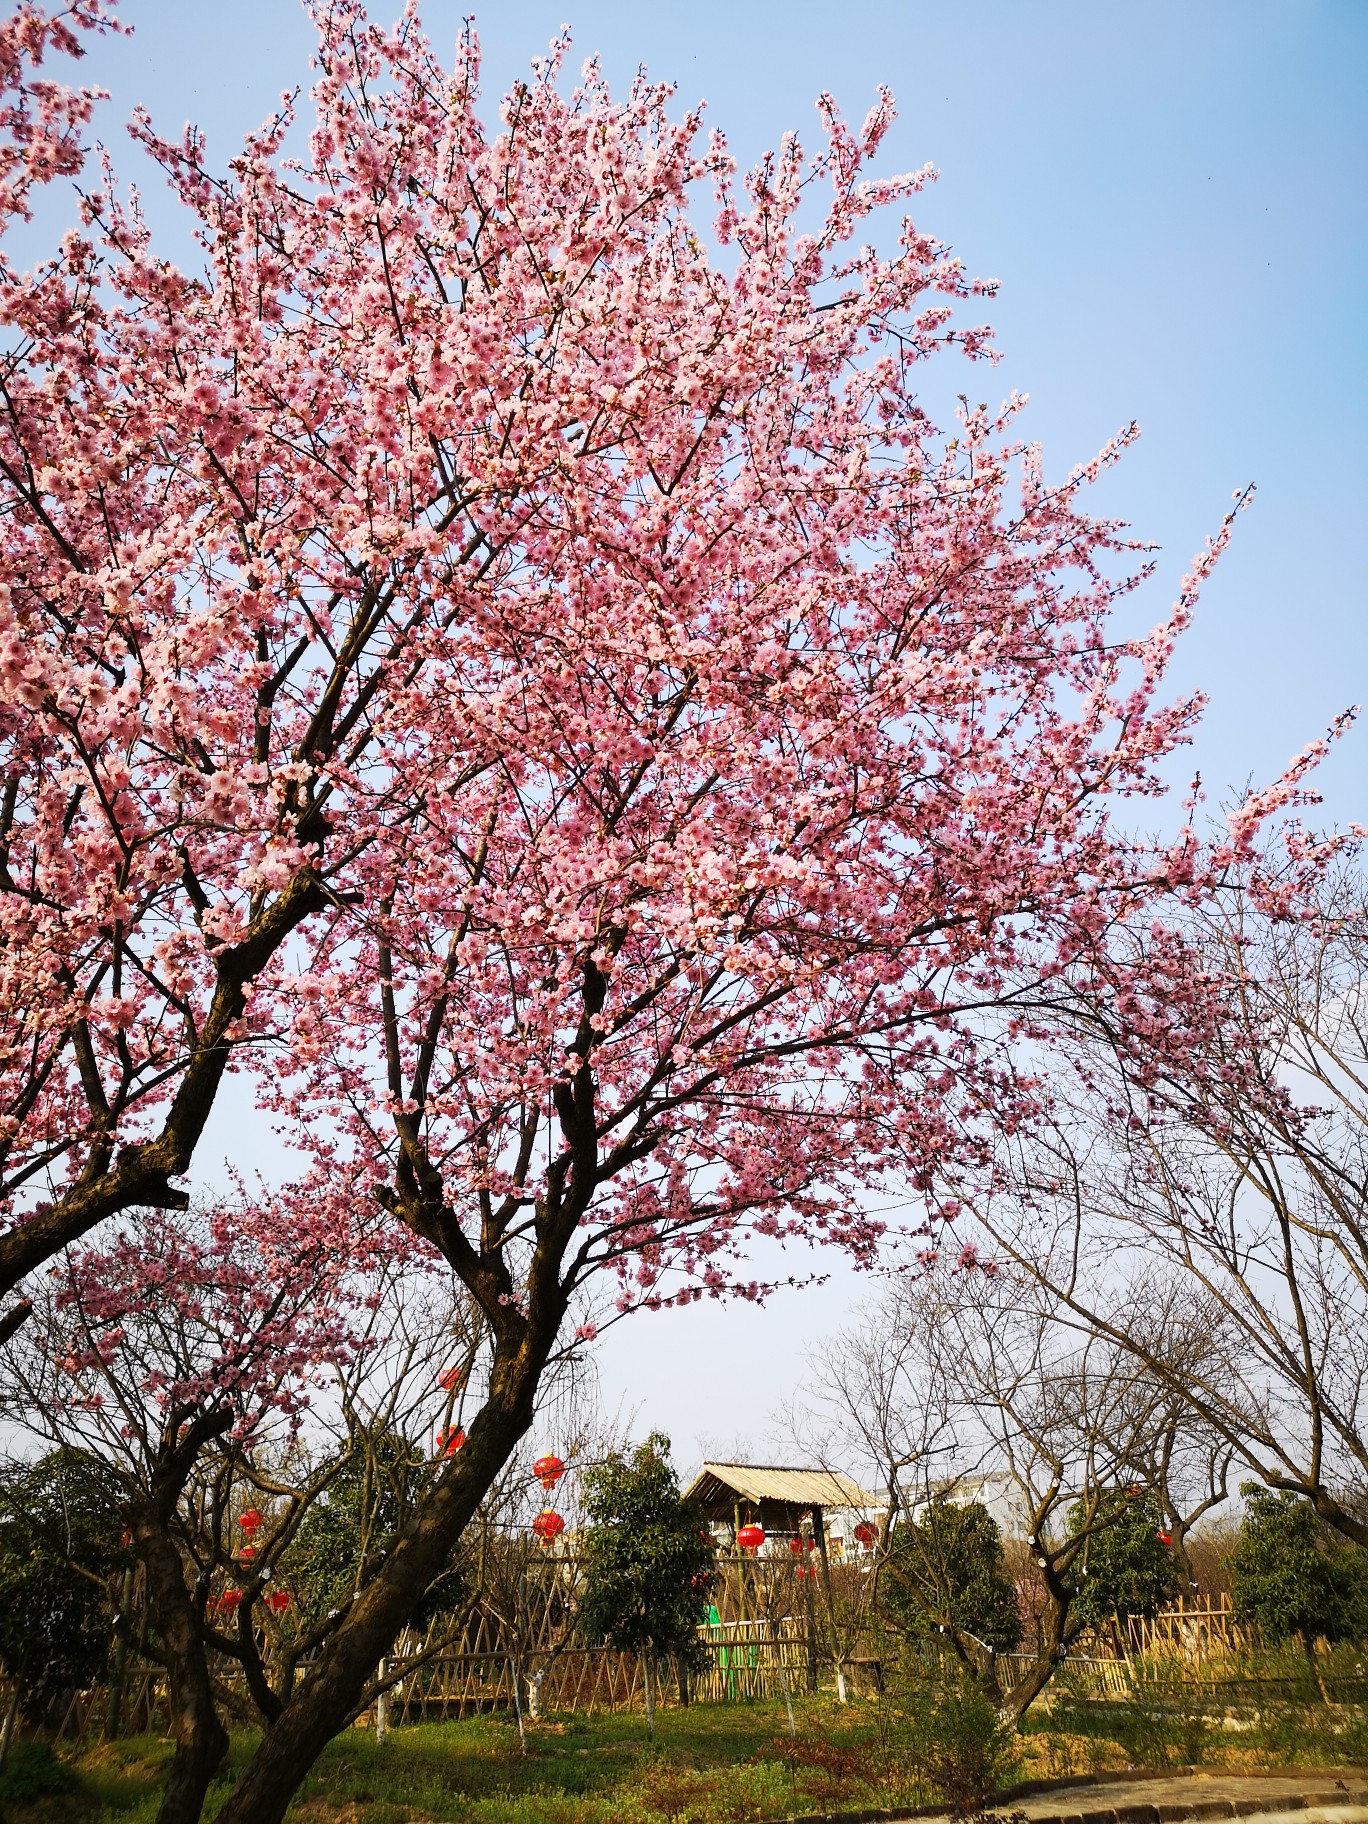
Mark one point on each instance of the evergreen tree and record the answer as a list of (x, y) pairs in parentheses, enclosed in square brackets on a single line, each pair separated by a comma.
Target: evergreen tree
[(345, 1535), (60, 1546), (945, 1575), (1129, 1567), (1289, 1577), (648, 1560)]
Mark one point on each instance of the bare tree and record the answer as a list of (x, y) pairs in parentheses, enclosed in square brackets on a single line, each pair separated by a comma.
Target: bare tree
[(966, 1373), (1223, 1239)]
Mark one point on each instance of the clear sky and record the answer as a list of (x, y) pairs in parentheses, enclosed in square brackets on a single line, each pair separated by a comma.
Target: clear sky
[(1173, 194)]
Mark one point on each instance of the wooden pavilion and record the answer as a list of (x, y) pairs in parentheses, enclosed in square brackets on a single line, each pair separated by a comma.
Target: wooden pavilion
[(785, 1501)]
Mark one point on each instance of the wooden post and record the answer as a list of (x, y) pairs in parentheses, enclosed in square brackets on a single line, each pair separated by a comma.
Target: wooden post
[(740, 1557), (838, 1658), (810, 1615)]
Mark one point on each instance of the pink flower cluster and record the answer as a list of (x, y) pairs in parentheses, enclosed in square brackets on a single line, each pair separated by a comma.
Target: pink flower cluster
[(543, 695)]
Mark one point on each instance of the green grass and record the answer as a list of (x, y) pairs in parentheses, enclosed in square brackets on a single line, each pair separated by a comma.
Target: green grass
[(710, 1764)]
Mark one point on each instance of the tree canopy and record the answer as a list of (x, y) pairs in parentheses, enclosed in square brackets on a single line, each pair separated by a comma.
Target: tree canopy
[(945, 1571), (1289, 1578), (647, 1557), (1128, 1568), (61, 1549), (526, 678)]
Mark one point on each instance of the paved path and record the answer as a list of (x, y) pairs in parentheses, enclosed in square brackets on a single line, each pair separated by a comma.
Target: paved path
[(1212, 1794), (1326, 1795)]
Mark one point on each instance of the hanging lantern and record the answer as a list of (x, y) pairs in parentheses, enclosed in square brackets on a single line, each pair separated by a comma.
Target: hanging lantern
[(1164, 1538), (548, 1525), (450, 1380), (246, 1555), (866, 1533), (228, 1601), (277, 1601), (250, 1521), (450, 1440), (126, 1539), (751, 1538), (548, 1470), (796, 1547)]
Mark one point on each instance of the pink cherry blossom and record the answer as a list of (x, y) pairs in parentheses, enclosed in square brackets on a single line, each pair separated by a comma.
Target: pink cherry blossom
[(527, 678)]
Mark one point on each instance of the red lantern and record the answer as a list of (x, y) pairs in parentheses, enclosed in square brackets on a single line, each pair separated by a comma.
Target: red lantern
[(277, 1601), (1164, 1538), (228, 1601), (548, 1525), (246, 1555), (751, 1538), (126, 1539), (250, 1521), (796, 1547), (548, 1470), (450, 1379), (866, 1532), (450, 1440)]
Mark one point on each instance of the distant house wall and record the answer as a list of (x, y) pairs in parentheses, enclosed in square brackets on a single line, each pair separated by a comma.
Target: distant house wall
[(995, 1490)]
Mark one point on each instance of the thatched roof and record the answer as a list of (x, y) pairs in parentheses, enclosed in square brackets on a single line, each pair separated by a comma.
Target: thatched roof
[(719, 1486)]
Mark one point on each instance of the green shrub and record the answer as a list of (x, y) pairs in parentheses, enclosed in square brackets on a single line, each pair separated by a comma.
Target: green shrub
[(960, 1748), (1128, 1569), (1289, 1575), (31, 1772), (946, 1569)]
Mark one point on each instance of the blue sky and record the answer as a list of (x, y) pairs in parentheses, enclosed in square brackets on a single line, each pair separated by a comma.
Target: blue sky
[(1173, 197)]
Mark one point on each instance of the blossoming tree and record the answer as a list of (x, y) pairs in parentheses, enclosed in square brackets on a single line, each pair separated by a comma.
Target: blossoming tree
[(541, 691)]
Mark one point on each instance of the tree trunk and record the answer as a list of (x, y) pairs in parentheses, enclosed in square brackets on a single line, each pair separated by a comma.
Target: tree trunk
[(776, 1638), (980, 1661), (810, 1617), (515, 1676), (382, 1709), (1053, 1642), (200, 1738), (1029, 1687), (119, 1670), (1313, 1661), (328, 1693), (538, 1679), (837, 1656), (648, 1688), (12, 1712)]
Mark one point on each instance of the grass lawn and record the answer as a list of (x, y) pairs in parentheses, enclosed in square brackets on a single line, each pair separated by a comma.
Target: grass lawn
[(710, 1764)]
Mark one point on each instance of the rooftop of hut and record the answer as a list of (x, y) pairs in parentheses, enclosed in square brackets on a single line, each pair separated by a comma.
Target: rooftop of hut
[(719, 1488)]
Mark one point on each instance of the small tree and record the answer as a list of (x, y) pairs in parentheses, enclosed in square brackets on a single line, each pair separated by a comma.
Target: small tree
[(945, 1575), (1128, 1568), (378, 1482), (648, 1560), (59, 1547), (1290, 1579)]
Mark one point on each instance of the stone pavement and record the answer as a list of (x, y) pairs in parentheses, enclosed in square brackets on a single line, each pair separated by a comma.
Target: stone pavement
[(1212, 1793), (1323, 1795)]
